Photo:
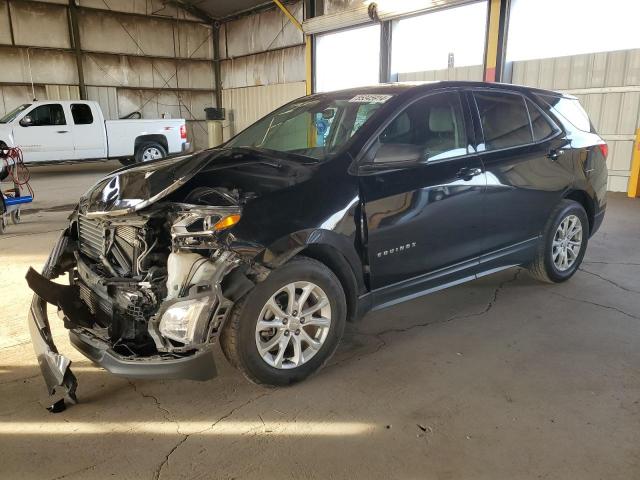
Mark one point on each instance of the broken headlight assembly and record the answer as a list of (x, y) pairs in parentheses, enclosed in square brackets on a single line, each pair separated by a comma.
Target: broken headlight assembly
[(195, 226)]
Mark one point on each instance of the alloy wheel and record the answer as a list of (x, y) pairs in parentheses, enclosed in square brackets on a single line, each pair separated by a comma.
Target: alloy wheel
[(293, 325), (567, 242)]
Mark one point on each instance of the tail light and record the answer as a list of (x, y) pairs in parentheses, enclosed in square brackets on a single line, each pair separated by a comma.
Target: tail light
[(604, 149), (183, 132)]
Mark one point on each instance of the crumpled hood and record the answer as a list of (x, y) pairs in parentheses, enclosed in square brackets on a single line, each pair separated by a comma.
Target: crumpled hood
[(134, 188)]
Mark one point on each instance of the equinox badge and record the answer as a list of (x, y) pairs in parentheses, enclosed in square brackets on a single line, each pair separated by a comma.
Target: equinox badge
[(399, 249)]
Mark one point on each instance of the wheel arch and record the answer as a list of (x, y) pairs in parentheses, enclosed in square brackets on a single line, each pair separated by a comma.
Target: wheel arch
[(335, 251), (587, 203), (156, 138)]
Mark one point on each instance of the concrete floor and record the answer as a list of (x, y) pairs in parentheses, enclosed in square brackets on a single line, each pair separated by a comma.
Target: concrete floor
[(502, 378)]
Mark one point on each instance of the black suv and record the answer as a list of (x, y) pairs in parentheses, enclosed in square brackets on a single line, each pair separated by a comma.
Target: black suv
[(331, 206)]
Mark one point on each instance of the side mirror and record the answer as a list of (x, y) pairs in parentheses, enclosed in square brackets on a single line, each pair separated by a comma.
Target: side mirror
[(26, 121), (401, 153)]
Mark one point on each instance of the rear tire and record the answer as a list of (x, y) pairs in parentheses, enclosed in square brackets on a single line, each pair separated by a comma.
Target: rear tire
[(301, 342), (149, 151), (563, 244)]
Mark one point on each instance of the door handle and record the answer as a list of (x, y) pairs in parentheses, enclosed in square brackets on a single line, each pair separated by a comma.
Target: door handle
[(466, 173), (62, 131), (555, 154)]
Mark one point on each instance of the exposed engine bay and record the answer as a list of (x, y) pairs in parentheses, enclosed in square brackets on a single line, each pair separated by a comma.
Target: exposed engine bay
[(152, 280)]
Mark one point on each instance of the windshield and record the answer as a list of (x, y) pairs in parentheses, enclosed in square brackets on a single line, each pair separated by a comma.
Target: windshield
[(10, 117), (314, 126)]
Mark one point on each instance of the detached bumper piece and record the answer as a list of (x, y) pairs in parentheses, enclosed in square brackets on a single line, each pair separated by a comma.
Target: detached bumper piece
[(58, 377), (54, 367)]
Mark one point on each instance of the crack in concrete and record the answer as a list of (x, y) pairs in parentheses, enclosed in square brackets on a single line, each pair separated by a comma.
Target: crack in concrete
[(383, 343), (608, 280), (84, 469), (608, 307), (484, 311), (158, 472), (168, 416)]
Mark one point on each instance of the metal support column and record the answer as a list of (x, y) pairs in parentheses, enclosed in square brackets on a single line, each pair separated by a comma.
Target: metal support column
[(215, 35), (385, 52), (74, 34), (496, 40)]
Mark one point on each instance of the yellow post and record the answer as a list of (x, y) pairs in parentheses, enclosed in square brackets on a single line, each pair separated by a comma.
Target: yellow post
[(308, 60), (633, 190), (493, 31)]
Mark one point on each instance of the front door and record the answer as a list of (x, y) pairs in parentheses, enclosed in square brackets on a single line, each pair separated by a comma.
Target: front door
[(49, 136), (422, 192)]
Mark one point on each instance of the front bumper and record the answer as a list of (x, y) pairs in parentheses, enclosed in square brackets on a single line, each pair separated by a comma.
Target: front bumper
[(55, 367), (198, 366)]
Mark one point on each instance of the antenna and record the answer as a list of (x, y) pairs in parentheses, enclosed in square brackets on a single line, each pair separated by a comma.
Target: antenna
[(33, 90)]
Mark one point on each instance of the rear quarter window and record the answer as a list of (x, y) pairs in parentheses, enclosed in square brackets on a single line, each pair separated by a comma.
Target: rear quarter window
[(569, 109)]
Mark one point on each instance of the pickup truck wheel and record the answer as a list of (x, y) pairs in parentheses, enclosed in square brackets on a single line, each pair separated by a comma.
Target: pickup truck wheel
[(563, 244), (288, 326), (150, 151)]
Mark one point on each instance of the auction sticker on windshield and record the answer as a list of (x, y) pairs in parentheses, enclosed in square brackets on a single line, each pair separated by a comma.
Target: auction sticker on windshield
[(370, 98)]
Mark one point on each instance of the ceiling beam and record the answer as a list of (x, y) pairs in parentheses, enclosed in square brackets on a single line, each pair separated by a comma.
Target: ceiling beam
[(193, 10)]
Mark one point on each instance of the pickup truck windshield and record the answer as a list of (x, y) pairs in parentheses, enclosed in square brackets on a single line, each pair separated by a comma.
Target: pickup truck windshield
[(9, 117), (315, 126)]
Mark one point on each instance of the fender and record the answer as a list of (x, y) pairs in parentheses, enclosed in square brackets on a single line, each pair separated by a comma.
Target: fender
[(290, 245)]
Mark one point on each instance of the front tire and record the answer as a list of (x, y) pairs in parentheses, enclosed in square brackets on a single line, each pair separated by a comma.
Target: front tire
[(288, 326), (563, 244)]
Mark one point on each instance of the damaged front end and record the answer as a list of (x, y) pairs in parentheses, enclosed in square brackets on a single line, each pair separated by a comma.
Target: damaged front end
[(148, 288)]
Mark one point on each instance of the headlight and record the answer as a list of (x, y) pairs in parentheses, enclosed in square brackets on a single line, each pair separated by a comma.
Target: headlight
[(186, 321), (193, 224)]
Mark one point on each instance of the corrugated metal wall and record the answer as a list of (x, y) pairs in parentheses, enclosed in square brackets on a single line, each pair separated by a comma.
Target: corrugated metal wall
[(137, 55), (263, 65), (608, 86), (471, 73)]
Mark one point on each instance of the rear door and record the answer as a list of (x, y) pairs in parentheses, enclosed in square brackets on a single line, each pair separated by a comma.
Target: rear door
[(88, 132), (48, 137), (422, 189), (528, 170)]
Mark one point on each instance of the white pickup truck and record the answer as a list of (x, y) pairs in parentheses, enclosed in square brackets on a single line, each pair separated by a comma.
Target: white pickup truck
[(77, 130)]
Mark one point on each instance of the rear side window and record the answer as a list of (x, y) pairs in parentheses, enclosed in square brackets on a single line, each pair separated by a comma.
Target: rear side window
[(571, 110), (45, 115), (504, 119), (81, 113), (541, 125)]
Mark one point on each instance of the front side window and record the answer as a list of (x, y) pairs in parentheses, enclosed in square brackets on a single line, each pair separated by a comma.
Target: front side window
[(432, 128), (45, 115), (81, 113), (312, 126), (504, 119)]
